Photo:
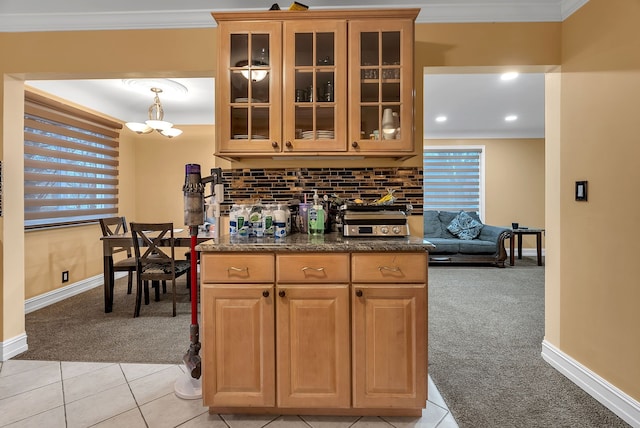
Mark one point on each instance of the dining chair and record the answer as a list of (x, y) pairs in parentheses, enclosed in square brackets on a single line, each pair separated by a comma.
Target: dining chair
[(116, 226), (154, 249)]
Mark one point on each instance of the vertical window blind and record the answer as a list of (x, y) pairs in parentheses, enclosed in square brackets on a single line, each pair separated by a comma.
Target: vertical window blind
[(70, 164), (453, 179)]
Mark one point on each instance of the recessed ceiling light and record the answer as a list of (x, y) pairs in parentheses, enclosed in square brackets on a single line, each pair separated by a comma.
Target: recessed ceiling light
[(441, 119), (511, 118), (509, 76)]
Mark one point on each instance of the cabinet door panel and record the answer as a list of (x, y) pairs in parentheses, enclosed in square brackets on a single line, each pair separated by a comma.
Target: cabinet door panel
[(381, 86), (248, 87), (389, 346), (313, 343), (315, 86), (238, 345)]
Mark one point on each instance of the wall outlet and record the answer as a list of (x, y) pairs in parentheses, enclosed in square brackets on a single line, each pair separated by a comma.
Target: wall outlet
[(65, 276)]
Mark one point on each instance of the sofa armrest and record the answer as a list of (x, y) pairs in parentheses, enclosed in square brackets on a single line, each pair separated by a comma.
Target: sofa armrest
[(494, 233)]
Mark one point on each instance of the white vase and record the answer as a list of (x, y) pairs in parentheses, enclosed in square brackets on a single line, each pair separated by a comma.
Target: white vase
[(388, 125)]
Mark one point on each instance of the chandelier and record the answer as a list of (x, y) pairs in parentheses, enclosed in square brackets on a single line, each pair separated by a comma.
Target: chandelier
[(156, 120)]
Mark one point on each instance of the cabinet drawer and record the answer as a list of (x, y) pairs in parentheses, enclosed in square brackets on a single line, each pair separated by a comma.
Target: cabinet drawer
[(389, 267), (230, 268), (312, 267)]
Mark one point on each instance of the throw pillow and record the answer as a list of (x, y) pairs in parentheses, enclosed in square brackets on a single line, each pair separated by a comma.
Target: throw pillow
[(464, 226)]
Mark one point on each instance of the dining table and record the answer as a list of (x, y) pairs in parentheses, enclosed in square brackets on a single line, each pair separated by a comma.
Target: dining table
[(182, 238)]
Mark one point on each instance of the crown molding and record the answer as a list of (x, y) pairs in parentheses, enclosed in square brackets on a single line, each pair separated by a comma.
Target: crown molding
[(570, 6), (432, 12)]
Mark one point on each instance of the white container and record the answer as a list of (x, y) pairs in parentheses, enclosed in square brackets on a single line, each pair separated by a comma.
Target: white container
[(280, 221)]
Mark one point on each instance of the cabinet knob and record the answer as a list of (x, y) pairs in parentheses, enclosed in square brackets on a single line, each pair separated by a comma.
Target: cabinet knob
[(265, 293), (354, 144), (274, 144), (281, 293), (288, 144), (359, 293)]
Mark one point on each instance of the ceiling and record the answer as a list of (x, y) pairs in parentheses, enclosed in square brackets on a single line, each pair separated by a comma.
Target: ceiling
[(474, 103)]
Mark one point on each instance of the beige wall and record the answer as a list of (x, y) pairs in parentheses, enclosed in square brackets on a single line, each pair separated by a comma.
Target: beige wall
[(514, 181), (599, 292)]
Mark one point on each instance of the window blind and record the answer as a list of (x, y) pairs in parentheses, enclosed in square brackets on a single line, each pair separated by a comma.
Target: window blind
[(452, 179), (70, 164)]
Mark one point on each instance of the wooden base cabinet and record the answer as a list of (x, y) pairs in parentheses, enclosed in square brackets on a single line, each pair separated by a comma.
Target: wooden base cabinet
[(389, 346), (314, 333)]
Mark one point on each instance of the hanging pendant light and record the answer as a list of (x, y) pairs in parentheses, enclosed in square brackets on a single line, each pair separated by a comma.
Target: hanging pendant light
[(156, 120)]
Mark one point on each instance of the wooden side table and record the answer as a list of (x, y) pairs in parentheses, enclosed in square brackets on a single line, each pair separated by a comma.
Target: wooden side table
[(517, 234)]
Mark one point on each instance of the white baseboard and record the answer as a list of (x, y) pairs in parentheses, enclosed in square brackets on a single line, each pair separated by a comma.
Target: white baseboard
[(611, 397), (12, 347), (526, 252), (60, 294)]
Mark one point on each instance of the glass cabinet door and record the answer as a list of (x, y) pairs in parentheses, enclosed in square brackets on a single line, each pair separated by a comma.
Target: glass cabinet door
[(248, 91), (314, 91), (381, 96)]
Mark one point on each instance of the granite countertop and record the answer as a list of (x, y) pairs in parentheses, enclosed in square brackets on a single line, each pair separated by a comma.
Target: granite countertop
[(315, 243)]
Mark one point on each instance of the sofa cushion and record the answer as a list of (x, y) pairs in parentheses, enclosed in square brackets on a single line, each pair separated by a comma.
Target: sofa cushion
[(464, 226), (432, 228), (445, 246), (476, 246)]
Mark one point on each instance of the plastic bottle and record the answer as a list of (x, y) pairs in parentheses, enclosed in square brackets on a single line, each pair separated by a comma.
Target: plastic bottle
[(243, 221), (316, 216), (233, 220), (267, 220), (279, 221), (255, 221)]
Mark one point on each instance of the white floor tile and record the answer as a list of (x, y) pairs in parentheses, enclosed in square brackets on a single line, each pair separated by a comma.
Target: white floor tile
[(99, 407), (73, 369), (248, 421), (170, 411), (12, 367), (433, 394), (25, 380), (30, 403), (371, 422), (135, 371), (330, 421), (131, 419), (288, 422), (448, 422), (205, 420), (97, 394), (431, 417), (155, 385), (92, 383), (53, 418)]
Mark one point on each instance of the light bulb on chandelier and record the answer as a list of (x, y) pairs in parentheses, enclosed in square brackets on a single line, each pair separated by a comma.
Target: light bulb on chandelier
[(156, 120)]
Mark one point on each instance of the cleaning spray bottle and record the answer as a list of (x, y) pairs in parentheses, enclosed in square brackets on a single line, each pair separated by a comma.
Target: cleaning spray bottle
[(316, 216)]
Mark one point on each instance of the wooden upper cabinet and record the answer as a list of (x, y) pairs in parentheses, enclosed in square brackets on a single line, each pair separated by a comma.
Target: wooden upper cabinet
[(248, 87), (315, 83), (381, 86), (315, 93)]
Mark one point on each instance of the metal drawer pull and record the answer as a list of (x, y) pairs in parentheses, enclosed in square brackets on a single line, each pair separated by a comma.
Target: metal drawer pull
[(320, 269), (389, 268), (235, 269)]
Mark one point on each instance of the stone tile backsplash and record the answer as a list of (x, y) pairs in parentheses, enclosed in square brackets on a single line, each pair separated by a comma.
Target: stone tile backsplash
[(285, 184)]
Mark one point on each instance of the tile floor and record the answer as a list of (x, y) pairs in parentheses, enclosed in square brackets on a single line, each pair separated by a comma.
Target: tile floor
[(71, 394)]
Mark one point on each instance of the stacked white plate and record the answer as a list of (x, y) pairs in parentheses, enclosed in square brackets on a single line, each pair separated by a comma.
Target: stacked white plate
[(246, 137), (320, 135)]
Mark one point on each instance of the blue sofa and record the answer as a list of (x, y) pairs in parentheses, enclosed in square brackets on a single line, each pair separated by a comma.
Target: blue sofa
[(487, 247)]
